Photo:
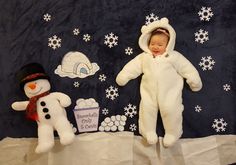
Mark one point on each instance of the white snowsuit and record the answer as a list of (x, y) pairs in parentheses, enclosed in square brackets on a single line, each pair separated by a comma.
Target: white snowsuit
[(161, 84)]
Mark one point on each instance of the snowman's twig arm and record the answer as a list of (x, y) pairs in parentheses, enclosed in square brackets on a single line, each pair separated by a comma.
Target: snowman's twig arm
[(64, 100), (19, 105)]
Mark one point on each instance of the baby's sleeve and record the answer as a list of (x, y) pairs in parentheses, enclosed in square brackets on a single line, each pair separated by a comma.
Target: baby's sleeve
[(186, 69), (130, 71)]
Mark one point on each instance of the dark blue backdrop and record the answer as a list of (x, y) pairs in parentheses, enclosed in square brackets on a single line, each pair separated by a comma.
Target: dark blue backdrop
[(208, 43)]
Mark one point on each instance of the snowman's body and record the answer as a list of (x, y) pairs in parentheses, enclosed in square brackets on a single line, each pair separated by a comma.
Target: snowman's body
[(51, 114)]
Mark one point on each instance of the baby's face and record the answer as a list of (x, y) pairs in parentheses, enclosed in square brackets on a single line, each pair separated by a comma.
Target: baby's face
[(158, 44)]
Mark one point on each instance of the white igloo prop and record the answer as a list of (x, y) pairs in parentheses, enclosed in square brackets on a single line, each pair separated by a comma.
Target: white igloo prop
[(76, 64)]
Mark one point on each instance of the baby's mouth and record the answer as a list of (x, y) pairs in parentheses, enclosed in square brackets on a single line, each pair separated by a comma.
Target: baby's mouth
[(156, 52)]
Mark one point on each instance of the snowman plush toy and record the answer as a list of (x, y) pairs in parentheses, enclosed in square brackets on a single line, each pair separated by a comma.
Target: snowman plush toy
[(47, 109)]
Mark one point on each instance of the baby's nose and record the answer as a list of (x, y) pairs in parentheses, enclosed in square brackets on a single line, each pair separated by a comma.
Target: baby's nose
[(156, 48)]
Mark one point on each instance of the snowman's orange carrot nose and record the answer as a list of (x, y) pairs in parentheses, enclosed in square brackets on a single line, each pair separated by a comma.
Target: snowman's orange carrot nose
[(32, 85)]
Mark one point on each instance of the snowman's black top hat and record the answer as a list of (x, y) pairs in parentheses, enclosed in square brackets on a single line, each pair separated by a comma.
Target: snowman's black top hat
[(30, 72)]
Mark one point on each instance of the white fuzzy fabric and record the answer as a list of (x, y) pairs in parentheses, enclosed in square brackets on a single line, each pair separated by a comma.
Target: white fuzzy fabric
[(161, 85), (121, 148)]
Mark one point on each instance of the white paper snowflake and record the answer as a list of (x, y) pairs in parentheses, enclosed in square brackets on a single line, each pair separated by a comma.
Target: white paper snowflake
[(198, 108), (128, 51), (113, 123), (207, 63), (54, 42), (130, 110), (76, 31), (111, 40), (219, 125), (150, 18), (76, 84), (105, 111), (86, 37), (205, 13), (47, 17), (226, 87), (201, 36), (133, 127), (102, 77), (112, 93)]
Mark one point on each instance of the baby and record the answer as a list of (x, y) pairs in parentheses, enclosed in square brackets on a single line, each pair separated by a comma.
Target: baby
[(164, 71)]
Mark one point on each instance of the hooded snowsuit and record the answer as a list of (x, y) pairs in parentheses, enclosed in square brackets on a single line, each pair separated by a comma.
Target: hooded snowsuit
[(161, 85)]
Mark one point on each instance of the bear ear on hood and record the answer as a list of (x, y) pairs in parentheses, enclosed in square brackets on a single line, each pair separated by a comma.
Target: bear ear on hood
[(143, 29), (164, 20)]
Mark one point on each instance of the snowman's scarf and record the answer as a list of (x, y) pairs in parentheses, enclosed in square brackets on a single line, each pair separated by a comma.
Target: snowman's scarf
[(31, 110)]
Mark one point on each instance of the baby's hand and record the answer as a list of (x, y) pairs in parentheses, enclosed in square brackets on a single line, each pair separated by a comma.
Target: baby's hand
[(195, 85)]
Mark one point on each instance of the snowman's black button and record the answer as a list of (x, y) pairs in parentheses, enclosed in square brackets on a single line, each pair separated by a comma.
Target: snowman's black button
[(42, 103), (47, 116), (45, 110)]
